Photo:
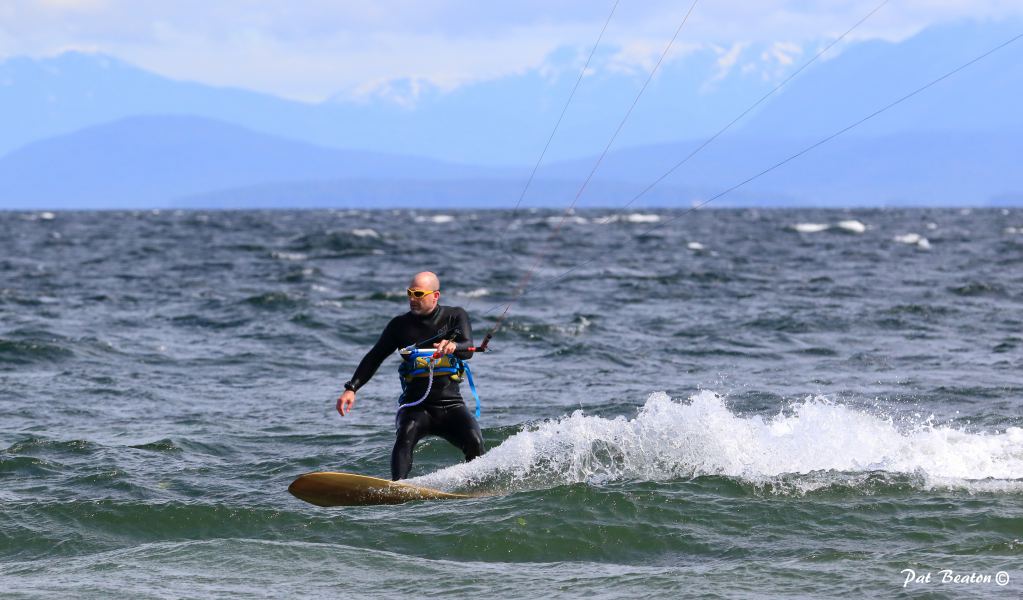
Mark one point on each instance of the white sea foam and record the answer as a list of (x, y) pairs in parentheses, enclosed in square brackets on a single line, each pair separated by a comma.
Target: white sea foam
[(434, 219), (641, 218), (913, 239), (811, 227), (848, 226), (371, 233), (630, 218), (695, 246), (577, 327), (476, 293), (556, 220), (47, 216), (813, 445), (852, 226)]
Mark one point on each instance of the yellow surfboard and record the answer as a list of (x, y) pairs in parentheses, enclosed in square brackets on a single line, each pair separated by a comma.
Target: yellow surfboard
[(349, 489)]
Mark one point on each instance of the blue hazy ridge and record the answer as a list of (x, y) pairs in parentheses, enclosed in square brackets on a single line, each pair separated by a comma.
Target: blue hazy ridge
[(84, 130), (167, 161)]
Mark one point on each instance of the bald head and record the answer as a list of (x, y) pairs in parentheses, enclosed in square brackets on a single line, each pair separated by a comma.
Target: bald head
[(425, 281)]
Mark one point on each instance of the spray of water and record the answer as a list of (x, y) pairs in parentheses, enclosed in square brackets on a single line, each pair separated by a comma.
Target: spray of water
[(812, 444)]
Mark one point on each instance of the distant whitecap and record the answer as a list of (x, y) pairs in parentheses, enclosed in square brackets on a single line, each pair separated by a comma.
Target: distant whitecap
[(365, 233), (695, 246), (641, 218), (434, 219), (47, 216), (811, 227), (569, 219), (476, 293), (913, 239), (852, 226)]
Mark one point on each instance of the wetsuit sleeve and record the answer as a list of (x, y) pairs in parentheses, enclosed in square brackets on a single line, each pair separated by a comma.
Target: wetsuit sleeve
[(464, 339), (376, 355)]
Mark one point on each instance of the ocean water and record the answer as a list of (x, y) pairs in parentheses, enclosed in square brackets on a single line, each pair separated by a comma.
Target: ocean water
[(721, 404)]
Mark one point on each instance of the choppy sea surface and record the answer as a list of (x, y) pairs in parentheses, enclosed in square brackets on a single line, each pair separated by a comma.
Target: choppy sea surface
[(722, 404)]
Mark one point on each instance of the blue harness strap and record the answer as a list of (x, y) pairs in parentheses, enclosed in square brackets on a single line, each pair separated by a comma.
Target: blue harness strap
[(472, 386)]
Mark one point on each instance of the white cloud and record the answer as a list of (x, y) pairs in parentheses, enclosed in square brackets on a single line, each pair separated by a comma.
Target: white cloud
[(785, 52), (315, 48), (73, 6)]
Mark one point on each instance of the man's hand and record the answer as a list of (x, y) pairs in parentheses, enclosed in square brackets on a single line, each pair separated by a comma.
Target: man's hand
[(345, 402), (445, 347)]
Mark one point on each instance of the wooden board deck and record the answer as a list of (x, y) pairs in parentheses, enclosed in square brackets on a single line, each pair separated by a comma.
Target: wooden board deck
[(349, 489)]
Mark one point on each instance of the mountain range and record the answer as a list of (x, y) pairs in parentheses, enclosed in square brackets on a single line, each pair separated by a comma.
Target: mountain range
[(81, 130)]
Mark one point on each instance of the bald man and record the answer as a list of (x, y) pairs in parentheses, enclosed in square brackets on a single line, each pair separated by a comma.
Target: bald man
[(442, 412)]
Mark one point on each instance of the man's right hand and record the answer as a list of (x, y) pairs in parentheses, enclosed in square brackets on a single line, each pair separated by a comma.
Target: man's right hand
[(345, 402)]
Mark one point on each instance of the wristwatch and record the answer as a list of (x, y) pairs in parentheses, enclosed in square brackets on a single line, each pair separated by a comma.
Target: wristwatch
[(349, 386)]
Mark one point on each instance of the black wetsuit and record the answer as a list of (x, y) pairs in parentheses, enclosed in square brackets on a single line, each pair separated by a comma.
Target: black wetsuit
[(443, 413)]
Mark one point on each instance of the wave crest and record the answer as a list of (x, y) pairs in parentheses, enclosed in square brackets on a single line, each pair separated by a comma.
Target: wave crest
[(670, 440)]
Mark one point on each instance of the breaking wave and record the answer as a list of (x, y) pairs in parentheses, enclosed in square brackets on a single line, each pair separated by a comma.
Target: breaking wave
[(817, 444)]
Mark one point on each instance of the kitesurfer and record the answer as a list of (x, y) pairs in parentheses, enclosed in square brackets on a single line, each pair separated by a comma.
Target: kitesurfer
[(430, 403)]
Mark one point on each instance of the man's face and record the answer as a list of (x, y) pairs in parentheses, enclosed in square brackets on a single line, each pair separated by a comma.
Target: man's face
[(424, 304)]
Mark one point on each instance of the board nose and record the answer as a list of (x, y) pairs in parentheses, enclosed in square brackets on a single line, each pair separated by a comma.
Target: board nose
[(314, 488)]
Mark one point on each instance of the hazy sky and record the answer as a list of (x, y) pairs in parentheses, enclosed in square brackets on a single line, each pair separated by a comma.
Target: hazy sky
[(313, 49)]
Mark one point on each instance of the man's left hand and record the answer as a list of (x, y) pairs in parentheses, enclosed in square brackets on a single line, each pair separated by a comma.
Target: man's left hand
[(445, 347)]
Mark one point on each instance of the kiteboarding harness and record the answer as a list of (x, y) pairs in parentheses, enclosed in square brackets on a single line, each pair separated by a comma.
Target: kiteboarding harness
[(420, 362)]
